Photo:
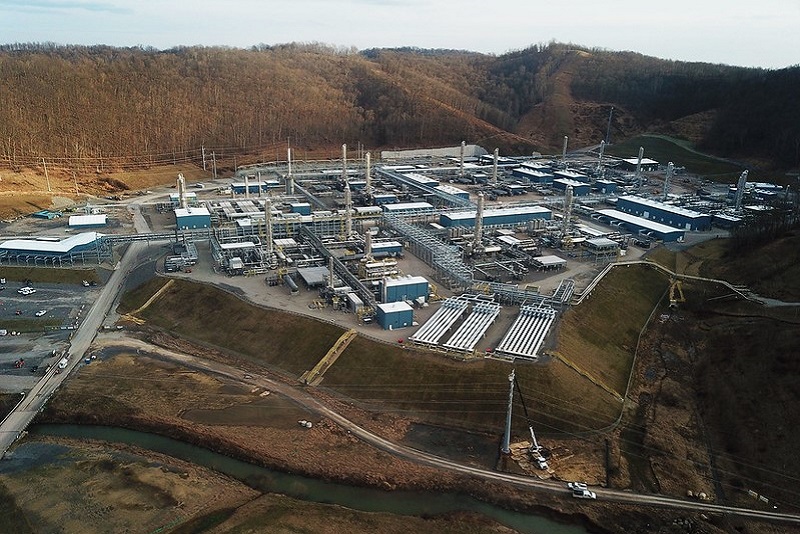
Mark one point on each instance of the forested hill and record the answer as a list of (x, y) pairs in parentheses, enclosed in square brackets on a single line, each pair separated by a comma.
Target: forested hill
[(116, 106)]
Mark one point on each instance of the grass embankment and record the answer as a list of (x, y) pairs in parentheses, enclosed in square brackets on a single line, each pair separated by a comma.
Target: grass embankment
[(664, 149), (600, 337), (203, 313), (50, 276), (11, 517)]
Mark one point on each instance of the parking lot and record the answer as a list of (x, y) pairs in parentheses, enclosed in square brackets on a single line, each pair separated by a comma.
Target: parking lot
[(38, 336)]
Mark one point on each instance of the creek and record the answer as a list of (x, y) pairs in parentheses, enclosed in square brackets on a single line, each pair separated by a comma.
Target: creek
[(410, 503)]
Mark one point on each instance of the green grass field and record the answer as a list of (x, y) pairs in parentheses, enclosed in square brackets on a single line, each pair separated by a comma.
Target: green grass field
[(665, 149)]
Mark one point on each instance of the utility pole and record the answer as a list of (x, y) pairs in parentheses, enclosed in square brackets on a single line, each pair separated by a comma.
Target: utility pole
[(214, 161), (203, 151), (46, 177), (506, 449)]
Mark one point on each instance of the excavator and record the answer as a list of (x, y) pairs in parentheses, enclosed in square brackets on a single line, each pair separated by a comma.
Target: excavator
[(535, 449)]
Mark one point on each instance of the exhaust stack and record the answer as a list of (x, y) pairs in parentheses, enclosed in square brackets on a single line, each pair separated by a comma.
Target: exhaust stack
[(494, 165)]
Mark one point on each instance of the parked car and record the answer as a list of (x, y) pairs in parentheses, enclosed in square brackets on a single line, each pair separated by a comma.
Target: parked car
[(583, 494), (40, 313)]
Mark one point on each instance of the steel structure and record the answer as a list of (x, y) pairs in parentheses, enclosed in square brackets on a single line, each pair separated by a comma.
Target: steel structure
[(399, 179), (437, 326), (474, 327), (339, 268), (445, 259), (528, 332)]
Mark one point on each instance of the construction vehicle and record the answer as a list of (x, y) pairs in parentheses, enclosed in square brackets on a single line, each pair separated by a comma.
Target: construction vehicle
[(676, 293), (535, 450)]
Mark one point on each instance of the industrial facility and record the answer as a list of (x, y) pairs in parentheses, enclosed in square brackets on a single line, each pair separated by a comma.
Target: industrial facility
[(487, 229)]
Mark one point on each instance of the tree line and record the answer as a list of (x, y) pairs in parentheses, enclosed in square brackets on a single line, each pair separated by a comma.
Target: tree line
[(100, 106)]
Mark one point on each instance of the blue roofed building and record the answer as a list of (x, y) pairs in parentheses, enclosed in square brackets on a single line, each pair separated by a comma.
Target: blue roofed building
[(668, 214)]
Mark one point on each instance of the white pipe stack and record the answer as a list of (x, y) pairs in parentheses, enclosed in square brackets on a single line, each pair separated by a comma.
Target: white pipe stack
[(289, 175), (639, 168), (461, 166), (368, 186), (246, 186), (668, 179), (494, 165), (182, 191), (268, 225), (567, 210), (478, 242)]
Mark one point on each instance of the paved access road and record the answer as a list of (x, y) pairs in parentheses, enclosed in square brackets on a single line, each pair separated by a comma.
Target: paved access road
[(19, 419)]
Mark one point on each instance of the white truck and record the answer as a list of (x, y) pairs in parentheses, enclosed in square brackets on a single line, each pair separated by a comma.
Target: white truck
[(62, 365)]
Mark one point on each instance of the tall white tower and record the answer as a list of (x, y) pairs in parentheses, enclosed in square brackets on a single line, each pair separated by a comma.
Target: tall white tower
[(289, 175), (494, 165), (461, 166), (478, 240), (668, 179), (600, 157), (344, 163), (564, 151), (182, 191), (740, 186), (568, 196), (639, 168), (368, 186), (268, 226)]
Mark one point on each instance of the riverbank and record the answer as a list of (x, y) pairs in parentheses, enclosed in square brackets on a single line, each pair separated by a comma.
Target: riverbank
[(142, 392)]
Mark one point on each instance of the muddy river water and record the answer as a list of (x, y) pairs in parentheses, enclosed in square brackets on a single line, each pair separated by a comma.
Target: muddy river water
[(299, 487)]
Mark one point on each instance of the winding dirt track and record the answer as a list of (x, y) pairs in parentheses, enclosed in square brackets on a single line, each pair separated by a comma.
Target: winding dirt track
[(299, 395)]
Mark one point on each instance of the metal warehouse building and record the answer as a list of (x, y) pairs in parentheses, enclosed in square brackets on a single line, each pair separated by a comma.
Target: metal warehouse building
[(639, 225), (572, 175), (606, 187), (407, 207), (83, 247), (87, 221), (533, 176), (579, 189), (191, 218), (648, 165), (497, 216), (664, 213), (394, 315), (455, 191), (404, 288)]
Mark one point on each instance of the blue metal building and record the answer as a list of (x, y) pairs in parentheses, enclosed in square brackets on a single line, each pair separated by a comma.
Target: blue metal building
[(664, 213), (394, 315), (303, 208), (571, 175), (497, 216), (579, 189), (404, 288), (606, 187), (192, 218), (533, 176), (83, 247), (255, 186), (385, 198), (455, 191), (641, 226)]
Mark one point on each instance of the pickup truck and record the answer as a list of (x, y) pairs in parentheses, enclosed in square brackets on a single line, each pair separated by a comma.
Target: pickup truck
[(583, 494)]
